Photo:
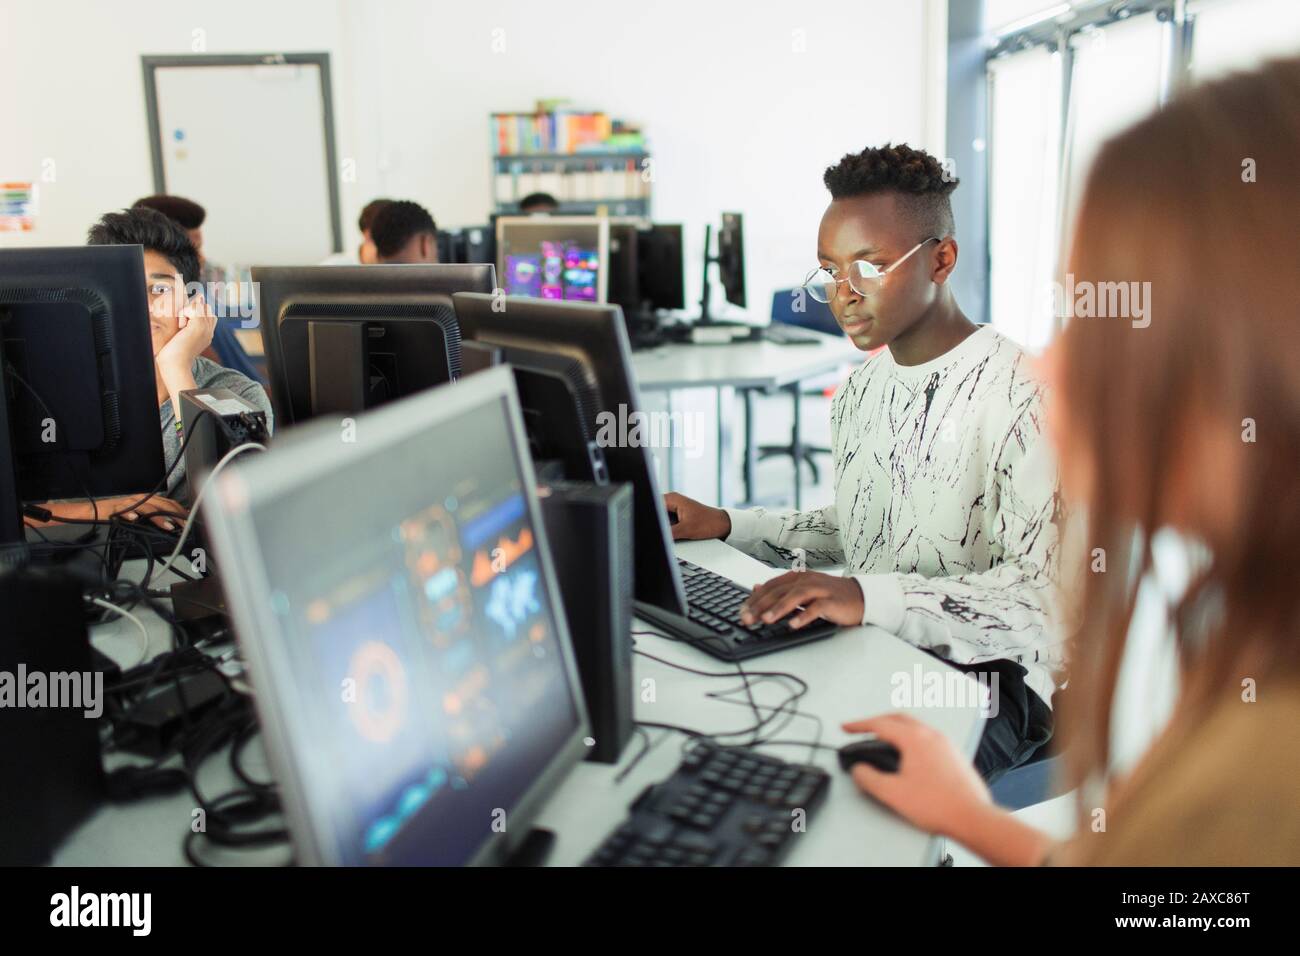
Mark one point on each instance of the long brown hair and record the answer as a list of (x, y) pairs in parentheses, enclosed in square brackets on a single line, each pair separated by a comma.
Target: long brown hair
[(1201, 200)]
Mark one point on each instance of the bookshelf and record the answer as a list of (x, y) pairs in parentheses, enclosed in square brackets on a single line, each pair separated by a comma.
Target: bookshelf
[(587, 161)]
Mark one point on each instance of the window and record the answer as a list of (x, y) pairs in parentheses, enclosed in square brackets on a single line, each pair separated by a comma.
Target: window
[(1025, 143), (1116, 80), (1237, 34)]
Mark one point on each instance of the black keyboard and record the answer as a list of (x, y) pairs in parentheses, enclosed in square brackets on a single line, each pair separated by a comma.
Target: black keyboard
[(713, 624), (725, 806)]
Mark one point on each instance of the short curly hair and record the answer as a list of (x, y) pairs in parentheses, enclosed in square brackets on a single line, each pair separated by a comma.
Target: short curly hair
[(397, 223), (920, 180)]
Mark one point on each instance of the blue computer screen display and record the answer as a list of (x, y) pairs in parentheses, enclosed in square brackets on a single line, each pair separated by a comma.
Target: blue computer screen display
[(424, 644)]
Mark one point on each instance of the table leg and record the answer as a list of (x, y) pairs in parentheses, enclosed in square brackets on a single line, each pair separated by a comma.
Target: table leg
[(725, 408), (796, 446), (751, 449)]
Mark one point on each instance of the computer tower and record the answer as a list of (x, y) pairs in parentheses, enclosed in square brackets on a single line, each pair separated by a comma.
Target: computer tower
[(590, 531), (51, 777)]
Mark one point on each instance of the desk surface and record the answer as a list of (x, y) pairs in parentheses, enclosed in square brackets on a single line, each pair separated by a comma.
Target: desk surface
[(742, 364), (850, 675)]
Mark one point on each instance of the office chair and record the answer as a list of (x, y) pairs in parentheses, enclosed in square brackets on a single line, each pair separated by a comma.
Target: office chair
[(816, 316), (1034, 781), (1038, 779)]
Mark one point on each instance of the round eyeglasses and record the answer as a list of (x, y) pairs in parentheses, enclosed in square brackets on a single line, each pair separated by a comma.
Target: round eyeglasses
[(863, 277)]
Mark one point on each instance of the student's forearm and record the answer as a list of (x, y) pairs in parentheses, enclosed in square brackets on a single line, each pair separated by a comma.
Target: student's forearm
[(997, 837), (177, 379)]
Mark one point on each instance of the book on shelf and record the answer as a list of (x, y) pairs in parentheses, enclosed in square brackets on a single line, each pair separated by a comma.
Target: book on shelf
[(600, 179), (562, 131)]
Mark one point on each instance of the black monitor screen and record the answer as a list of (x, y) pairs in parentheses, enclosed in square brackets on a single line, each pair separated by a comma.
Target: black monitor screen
[(422, 643)]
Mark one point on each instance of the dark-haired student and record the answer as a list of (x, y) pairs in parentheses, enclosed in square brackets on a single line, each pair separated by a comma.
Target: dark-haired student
[(180, 325), (1155, 432), (945, 511), (539, 204), (225, 348), (404, 232), (181, 328), (365, 254)]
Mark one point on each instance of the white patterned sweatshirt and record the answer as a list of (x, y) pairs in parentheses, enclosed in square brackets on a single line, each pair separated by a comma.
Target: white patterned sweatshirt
[(946, 507)]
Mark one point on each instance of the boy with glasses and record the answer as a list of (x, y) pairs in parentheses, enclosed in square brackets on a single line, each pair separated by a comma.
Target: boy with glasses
[(946, 510)]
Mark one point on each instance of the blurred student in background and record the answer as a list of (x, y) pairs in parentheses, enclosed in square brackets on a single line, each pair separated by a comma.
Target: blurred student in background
[(404, 232), (365, 253), (538, 204), (1189, 421)]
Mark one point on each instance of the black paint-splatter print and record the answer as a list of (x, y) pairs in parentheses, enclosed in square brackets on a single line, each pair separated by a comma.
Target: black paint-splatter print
[(945, 501)]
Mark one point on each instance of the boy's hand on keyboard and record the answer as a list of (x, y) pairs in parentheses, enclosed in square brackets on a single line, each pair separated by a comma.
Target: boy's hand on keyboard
[(826, 596), (695, 521)]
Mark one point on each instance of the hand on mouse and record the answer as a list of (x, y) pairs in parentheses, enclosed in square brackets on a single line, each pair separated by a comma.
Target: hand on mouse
[(695, 521), (935, 788)]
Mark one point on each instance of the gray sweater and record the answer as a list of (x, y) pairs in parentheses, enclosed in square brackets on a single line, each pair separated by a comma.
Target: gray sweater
[(207, 374)]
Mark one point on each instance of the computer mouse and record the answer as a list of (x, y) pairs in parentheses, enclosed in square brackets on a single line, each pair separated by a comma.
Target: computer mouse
[(672, 517), (872, 751)]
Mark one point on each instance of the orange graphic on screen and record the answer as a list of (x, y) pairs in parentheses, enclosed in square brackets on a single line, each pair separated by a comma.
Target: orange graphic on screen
[(507, 552), (376, 664)]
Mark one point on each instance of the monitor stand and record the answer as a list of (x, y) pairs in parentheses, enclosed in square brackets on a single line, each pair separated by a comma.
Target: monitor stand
[(706, 330)]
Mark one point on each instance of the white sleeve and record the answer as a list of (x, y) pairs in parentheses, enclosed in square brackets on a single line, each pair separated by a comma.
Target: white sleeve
[(781, 539), (1004, 612)]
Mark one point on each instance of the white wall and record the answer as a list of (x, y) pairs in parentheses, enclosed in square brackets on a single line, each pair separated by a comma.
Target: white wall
[(737, 117), (74, 102)]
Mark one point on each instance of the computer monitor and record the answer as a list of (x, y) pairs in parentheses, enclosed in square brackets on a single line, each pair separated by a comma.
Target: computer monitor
[(409, 654), (645, 267), (730, 260), (342, 339), (78, 393), (466, 245), (583, 350), (659, 266), (624, 287), (554, 257)]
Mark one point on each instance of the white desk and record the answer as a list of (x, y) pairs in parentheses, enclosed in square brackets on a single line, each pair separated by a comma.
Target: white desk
[(849, 676), (741, 365), (724, 370)]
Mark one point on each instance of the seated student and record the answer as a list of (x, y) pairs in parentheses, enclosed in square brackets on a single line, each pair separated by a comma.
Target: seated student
[(538, 204), (404, 232), (1155, 421), (945, 491), (365, 254), (226, 348), (181, 327)]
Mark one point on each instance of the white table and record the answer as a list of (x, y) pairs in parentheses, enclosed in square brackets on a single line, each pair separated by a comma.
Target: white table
[(721, 371), (850, 675)]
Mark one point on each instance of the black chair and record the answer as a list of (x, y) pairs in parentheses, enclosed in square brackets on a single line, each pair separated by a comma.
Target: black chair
[(816, 316)]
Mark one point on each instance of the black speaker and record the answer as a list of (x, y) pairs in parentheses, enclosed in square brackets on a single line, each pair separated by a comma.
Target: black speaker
[(590, 531), (51, 777)]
